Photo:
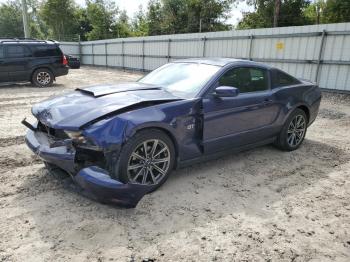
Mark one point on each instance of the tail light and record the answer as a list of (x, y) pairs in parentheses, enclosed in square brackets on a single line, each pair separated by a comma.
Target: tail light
[(65, 61)]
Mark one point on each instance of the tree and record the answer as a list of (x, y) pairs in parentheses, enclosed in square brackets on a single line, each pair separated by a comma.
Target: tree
[(123, 26), (38, 28), (291, 13), (187, 16), (139, 23), (154, 17), (208, 15), (59, 16), (11, 23), (276, 12), (84, 25), (102, 16), (313, 12), (336, 11)]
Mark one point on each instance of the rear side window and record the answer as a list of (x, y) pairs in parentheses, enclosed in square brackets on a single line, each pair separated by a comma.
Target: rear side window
[(45, 50), (246, 79), (1, 52), (16, 51), (283, 79)]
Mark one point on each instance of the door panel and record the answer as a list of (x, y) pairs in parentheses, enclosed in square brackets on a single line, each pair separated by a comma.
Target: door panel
[(237, 121), (18, 61), (245, 119), (3, 68)]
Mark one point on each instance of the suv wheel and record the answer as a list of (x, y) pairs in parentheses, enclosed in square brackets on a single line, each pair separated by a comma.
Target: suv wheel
[(42, 77)]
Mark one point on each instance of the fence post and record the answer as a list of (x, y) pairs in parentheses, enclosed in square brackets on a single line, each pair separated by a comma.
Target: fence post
[(106, 54), (93, 55), (251, 37), (79, 50), (204, 45), (143, 55), (320, 55), (169, 45), (123, 63)]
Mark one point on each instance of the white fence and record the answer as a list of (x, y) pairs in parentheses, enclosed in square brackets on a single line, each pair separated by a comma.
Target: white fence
[(319, 53)]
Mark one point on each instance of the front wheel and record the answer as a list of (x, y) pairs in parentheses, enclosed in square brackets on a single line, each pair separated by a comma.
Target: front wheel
[(293, 131), (147, 158)]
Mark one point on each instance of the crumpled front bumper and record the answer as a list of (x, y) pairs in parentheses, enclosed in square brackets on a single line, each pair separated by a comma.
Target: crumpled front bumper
[(94, 181), (62, 156), (101, 187)]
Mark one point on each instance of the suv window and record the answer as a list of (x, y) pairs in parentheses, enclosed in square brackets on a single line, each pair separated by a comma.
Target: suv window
[(246, 79), (45, 50), (283, 79), (14, 51), (1, 52)]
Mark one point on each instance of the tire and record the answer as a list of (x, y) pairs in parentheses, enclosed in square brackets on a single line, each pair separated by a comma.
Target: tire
[(285, 140), (42, 77), (132, 169)]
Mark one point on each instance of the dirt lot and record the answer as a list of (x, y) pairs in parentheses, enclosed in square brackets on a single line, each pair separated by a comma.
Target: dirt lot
[(259, 205)]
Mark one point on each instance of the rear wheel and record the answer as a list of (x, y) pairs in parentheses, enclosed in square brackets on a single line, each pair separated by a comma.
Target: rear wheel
[(42, 77), (293, 131), (147, 158)]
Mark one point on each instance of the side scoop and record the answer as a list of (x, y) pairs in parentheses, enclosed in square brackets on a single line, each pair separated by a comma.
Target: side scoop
[(97, 183)]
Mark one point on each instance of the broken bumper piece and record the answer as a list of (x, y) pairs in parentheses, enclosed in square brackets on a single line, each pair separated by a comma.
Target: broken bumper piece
[(98, 185), (62, 156)]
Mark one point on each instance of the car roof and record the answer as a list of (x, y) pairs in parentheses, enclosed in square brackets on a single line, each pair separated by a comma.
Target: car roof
[(26, 41), (222, 61)]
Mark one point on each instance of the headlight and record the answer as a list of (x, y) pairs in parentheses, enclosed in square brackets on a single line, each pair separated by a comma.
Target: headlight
[(81, 141), (76, 136)]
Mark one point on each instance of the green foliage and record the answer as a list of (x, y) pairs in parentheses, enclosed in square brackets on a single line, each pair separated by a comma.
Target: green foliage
[(102, 16), (11, 23), (101, 19), (123, 26), (83, 23), (291, 14), (140, 24), (60, 18), (187, 16), (154, 17), (336, 11)]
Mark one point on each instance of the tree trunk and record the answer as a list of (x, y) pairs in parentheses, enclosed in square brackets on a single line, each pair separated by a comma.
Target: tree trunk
[(277, 12)]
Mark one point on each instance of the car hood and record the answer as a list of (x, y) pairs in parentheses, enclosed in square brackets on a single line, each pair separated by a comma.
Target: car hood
[(73, 110)]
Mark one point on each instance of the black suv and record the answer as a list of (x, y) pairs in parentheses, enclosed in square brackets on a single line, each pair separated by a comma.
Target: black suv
[(31, 60)]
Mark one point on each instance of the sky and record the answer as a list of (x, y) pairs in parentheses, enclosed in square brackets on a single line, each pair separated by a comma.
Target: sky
[(132, 6)]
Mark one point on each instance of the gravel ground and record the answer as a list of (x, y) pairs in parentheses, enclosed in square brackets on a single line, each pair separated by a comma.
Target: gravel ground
[(258, 205)]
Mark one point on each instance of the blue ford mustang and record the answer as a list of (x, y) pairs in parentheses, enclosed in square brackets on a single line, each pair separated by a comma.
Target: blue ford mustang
[(121, 141)]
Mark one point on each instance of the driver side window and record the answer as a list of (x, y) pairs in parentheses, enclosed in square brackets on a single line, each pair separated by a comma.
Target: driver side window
[(246, 79)]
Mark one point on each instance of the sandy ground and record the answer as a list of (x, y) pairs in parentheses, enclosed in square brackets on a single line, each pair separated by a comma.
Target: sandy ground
[(258, 205)]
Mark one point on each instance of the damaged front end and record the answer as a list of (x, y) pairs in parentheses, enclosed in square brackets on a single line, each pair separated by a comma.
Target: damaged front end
[(87, 162)]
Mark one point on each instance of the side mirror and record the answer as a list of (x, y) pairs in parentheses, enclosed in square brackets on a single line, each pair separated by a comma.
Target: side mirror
[(226, 91)]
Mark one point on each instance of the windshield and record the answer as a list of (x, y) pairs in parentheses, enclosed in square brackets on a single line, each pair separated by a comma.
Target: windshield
[(181, 79)]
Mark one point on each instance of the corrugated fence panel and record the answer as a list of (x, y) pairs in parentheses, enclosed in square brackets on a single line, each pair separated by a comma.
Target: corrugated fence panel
[(70, 48), (319, 53)]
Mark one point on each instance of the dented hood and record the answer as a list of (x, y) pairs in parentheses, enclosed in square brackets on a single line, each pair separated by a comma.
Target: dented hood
[(76, 109)]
